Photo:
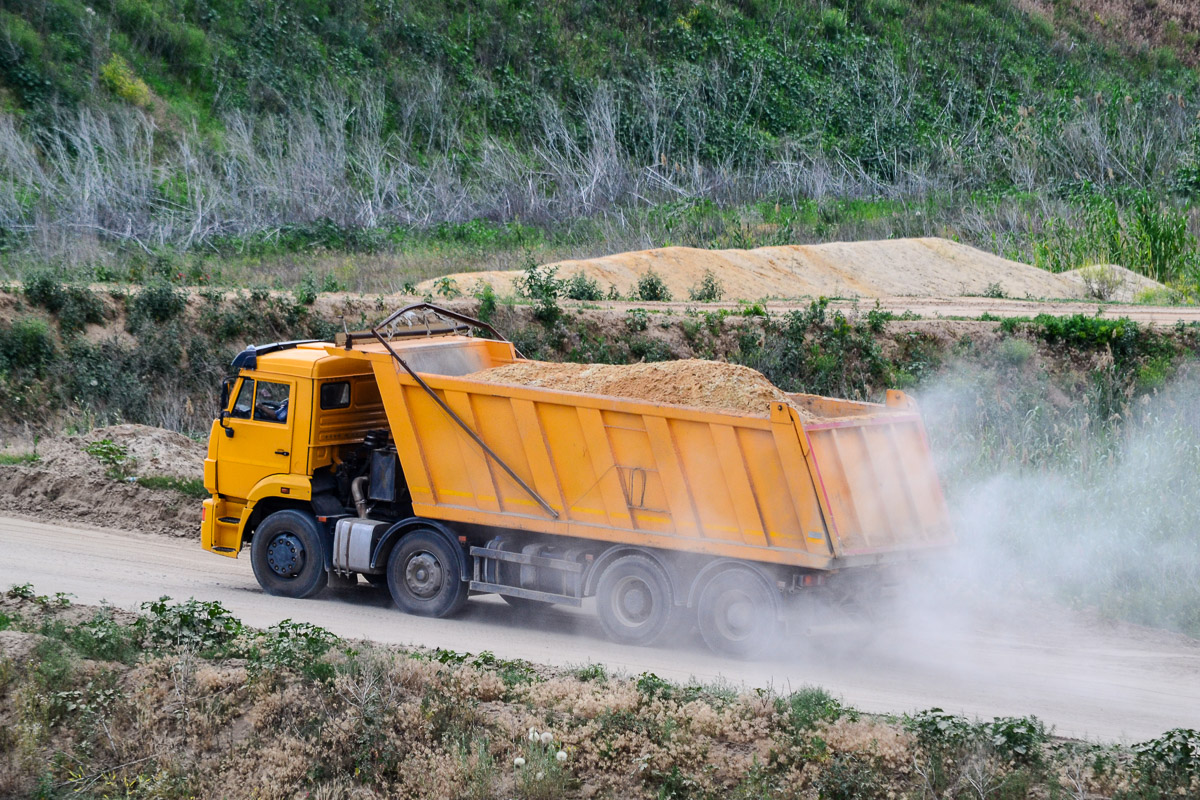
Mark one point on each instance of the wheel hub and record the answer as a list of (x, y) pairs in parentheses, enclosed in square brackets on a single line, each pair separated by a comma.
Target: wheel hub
[(735, 615), (285, 555), (423, 575), (634, 603)]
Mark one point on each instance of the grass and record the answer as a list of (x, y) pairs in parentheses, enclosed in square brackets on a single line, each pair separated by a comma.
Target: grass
[(191, 487), (16, 459)]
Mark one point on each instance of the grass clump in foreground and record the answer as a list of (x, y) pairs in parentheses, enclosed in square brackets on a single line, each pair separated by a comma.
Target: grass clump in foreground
[(96, 701)]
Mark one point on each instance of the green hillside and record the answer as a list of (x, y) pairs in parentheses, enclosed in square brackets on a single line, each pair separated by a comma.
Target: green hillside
[(158, 126)]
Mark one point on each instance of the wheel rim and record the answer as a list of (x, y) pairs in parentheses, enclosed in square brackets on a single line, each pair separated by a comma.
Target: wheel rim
[(633, 601), (734, 616), (286, 556), (423, 575)]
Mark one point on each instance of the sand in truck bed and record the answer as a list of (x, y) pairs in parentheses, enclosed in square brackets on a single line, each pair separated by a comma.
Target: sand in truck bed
[(711, 385)]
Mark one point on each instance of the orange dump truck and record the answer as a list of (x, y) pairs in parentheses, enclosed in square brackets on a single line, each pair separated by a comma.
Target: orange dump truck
[(377, 456)]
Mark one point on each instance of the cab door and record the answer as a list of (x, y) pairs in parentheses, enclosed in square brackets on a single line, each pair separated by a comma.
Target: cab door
[(262, 423)]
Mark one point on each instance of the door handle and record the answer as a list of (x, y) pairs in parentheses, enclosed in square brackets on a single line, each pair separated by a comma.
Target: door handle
[(282, 453)]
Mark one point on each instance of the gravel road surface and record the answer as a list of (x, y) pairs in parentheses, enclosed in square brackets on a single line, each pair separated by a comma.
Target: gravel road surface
[(1088, 679)]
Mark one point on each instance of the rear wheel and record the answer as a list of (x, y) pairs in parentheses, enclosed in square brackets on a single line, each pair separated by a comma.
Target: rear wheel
[(738, 613), (287, 556), (634, 600), (424, 575)]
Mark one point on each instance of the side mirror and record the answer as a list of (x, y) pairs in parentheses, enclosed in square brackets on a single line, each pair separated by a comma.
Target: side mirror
[(226, 385), (221, 421)]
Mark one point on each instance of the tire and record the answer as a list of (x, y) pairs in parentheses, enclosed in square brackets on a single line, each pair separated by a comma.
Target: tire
[(634, 600), (738, 613), (424, 575), (288, 555)]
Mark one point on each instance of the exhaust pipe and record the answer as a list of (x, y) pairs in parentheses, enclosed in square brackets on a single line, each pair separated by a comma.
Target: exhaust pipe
[(360, 497)]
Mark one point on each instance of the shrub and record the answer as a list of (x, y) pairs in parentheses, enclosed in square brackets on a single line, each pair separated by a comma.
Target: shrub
[(297, 646), (158, 301), (581, 287), (834, 22), (121, 80), (194, 624), (115, 458), (1101, 281), (1170, 762), (74, 306), (102, 638), (543, 286), (26, 344), (651, 288), (1015, 352), (487, 302), (805, 709), (708, 290)]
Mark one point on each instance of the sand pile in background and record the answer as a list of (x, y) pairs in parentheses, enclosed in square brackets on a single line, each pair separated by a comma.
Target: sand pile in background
[(711, 385), (928, 267)]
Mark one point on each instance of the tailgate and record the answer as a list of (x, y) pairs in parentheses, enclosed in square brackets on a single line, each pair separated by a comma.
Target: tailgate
[(881, 487)]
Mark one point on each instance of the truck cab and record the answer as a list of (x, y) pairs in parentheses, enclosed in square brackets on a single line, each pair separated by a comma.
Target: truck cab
[(285, 414)]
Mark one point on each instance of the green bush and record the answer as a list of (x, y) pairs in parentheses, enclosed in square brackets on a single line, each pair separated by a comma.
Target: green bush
[(102, 638), (1171, 762), (543, 286), (651, 288), (708, 290), (297, 646), (581, 287), (26, 344), (193, 624), (74, 306), (158, 301), (115, 458)]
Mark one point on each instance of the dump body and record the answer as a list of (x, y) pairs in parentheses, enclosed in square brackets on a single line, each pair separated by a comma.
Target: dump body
[(852, 487)]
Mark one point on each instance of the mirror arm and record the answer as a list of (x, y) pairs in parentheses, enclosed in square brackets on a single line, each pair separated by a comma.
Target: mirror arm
[(221, 421)]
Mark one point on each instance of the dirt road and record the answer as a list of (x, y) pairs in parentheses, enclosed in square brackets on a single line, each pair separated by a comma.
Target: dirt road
[(1087, 679), (931, 308)]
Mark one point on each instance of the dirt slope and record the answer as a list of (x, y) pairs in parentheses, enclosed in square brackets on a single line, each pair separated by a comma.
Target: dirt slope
[(67, 483), (897, 267), (1089, 679)]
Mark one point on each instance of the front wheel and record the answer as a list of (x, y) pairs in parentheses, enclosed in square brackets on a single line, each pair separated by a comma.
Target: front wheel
[(424, 575), (287, 556)]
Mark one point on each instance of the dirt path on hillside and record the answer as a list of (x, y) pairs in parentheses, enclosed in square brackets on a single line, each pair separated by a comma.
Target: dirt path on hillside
[(932, 308), (1088, 679)]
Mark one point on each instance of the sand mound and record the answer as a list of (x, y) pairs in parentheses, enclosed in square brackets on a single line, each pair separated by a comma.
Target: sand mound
[(889, 268), (711, 385)]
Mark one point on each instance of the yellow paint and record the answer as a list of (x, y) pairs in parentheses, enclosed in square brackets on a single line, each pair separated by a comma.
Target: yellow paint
[(774, 488)]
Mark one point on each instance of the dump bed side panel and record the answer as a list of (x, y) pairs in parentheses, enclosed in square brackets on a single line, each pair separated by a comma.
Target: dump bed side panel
[(614, 470), (883, 494)]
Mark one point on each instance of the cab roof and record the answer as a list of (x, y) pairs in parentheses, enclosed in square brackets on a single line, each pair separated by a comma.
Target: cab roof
[(315, 359)]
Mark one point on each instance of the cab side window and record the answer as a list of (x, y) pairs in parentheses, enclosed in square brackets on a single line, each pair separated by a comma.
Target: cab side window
[(244, 401), (335, 395), (271, 404)]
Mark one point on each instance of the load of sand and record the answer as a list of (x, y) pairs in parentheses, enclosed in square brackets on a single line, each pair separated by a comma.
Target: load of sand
[(927, 267), (712, 385)]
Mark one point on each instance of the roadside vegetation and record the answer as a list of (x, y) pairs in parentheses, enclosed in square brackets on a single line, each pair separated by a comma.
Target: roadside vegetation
[(376, 144), (182, 700)]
